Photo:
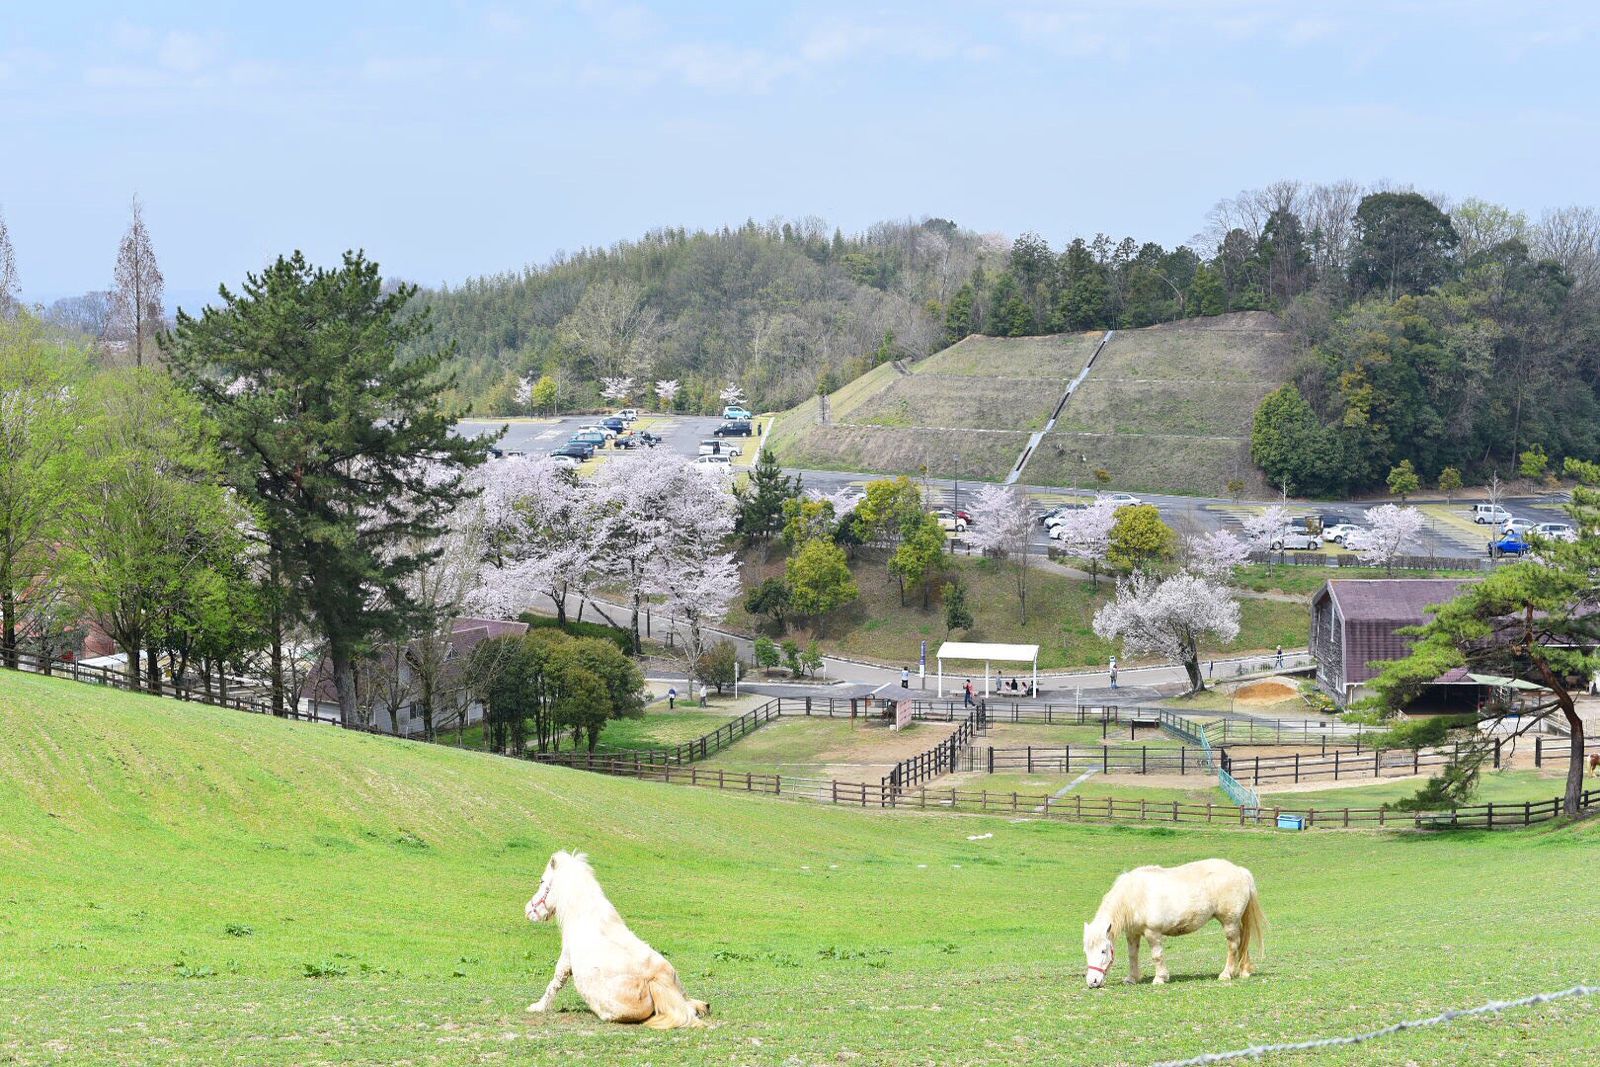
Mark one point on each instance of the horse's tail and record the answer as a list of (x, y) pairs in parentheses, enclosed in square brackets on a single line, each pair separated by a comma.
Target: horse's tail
[(1252, 926), (673, 1009)]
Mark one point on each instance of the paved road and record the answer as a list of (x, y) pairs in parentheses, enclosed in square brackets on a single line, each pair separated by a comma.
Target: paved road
[(1447, 532)]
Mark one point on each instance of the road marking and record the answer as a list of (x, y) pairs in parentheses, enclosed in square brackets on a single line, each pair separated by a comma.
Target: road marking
[(1070, 786)]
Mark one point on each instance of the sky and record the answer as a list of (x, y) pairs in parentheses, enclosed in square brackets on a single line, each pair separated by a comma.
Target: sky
[(454, 139)]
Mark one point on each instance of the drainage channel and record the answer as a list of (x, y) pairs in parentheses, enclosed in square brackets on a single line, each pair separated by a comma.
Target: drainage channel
[(1072, 387)]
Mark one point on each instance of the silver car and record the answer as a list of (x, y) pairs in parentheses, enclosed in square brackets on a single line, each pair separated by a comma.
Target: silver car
[(1297, 540)]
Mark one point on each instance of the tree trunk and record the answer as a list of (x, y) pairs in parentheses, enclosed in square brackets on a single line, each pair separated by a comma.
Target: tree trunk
[(152, 669), (638, 645), (426, 703), (559, 598), (1575, 755), (344, 683), (8, 620), (1191, 666)]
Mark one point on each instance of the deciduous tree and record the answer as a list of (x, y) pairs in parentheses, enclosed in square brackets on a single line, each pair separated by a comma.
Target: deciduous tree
[(1169, 617), (1002, 526), (1139, 539), (137, 311)]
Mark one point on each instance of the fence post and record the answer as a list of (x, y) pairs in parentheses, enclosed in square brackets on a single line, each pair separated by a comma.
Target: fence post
[(1488, 816), (1538, 752), (1297, 766), (1030, 757), (1497, 752)]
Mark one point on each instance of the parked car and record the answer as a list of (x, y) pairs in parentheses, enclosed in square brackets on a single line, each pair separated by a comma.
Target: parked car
[(1122, 500), (1058, 515), (575, 450), (602, 430), (1336, 518), (628, 414), (563, 458), (1519, 527), (592, 438), (733, 411), (616, 424), (628, 440), (718, 464), (1489, 514), (950, 521), (715, 447), (1296, 539), (647, 438), (737, 428), (1339, 532), (1507, 544), (1556, 531)]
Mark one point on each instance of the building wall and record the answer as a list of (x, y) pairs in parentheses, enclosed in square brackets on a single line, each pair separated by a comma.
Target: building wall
[(1327, 647)]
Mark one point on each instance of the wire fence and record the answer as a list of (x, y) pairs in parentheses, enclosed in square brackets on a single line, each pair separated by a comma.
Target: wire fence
[(1494, 1007)]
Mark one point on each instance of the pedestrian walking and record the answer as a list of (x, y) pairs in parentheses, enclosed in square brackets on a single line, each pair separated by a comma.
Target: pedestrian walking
[(905, 677), (966, 694), (1113, 672), (704, 692), (672, 697), (1277, 659)]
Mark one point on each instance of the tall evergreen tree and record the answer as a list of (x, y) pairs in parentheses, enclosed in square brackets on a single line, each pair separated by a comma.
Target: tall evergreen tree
[(761, 514), (344, 449)]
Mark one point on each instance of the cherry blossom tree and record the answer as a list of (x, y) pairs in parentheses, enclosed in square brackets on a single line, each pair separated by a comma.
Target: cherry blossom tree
[(539, 537), (667, 392), (616, 390), (732, 394), (656, 513), (1391, 531), (1169, 617), (1265, 527), (1086, 533), (1002, 525), (1214, 555), (698, 592)]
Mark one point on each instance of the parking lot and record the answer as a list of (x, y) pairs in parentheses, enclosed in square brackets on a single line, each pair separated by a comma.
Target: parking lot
[(681, 434)]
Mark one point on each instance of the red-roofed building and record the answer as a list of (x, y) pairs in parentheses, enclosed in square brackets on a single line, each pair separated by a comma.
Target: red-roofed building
[(1354, 623)]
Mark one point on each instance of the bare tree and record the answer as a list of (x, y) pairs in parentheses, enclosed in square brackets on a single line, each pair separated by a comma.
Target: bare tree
[(10, 288), (612, 328), (137, 312), (1571, 237)]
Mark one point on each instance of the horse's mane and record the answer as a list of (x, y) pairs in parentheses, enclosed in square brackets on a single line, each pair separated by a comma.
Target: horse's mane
[(1116, 906), (576, 890)]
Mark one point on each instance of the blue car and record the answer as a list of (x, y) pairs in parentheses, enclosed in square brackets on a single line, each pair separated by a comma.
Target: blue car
[(1509, 544)]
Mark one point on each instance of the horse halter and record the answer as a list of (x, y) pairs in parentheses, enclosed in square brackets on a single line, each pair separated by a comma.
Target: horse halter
[(1109, 962)]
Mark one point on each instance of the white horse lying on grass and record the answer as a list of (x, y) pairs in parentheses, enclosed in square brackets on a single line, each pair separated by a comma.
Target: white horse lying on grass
[(622, 979), (1159, 902)]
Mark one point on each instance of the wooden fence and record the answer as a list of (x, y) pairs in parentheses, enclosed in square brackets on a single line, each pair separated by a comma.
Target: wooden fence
[(91, 674), (940, 759), (1090, 809)]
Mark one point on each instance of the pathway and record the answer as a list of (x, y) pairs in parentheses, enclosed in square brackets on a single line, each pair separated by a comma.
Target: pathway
[(1035, 438)]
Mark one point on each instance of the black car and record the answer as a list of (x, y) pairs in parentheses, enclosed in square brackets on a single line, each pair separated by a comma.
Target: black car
[(737, 428), (614, 423), (645, 437), (576, 450), (627, 440)]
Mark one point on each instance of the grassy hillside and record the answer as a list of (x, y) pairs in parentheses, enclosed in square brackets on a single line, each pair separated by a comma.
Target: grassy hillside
[(187, 886), (965, 411), (1165, 408), (1170, 407)]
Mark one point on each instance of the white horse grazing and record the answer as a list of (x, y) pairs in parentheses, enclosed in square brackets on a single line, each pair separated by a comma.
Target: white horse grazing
[(1159, 902), (622, 979)]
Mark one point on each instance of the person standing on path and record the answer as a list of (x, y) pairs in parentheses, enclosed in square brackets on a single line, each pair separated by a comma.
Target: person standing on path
[(672, 697), (1113, 672), (966, 694), (704, 692), (905, 677), (1277, 659)]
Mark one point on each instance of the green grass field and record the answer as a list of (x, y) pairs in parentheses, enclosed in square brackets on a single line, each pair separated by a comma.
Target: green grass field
[(190, 886), (1060, 613)]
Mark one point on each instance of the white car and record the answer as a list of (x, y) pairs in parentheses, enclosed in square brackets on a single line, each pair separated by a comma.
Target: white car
[(719, 464), (950, 521), (718, 447), (1489, 514), (1339, 532), (1296, 540), (606, 430), (628, 414), (1520, 527), (1122, 500), (1555, 531), (565, 461)]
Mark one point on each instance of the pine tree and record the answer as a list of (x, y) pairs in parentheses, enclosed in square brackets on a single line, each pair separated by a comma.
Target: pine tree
[(342, 447), (761, 501)]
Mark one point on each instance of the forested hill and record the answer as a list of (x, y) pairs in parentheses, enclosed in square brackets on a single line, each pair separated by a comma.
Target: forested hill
[(770, 307), (785, 308)]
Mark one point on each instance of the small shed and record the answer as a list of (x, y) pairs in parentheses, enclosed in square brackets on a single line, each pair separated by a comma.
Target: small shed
[(988, 654), (1356, 622)]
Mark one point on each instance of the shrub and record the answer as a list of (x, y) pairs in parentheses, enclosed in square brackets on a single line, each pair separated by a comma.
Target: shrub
[(619, 637)]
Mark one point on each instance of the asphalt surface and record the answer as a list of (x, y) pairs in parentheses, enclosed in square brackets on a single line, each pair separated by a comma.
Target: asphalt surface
[(682, 434)]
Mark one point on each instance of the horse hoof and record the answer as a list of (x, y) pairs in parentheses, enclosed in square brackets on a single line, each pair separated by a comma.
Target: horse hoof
[(1159, 979), (1130, 981), (1224, 977)]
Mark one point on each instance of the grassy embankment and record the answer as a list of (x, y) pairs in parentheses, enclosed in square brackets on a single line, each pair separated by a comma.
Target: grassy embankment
[(187, 886)]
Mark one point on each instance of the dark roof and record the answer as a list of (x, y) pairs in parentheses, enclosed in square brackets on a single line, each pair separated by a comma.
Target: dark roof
[(1402, 601), (1373, 609)]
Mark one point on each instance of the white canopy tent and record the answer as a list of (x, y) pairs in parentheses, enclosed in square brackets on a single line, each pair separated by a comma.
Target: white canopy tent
[(987, 653)]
